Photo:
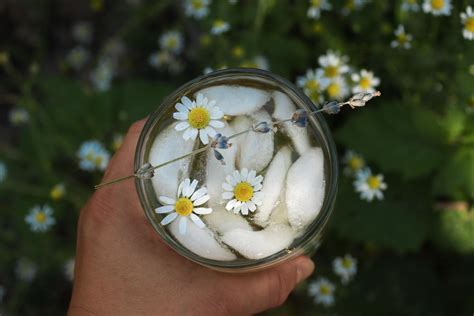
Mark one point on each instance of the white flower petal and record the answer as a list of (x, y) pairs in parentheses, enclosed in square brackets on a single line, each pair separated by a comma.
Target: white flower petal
[(237, 176), (203, 136), (192, 188), (186, 184), (227, 195), (201, 200), (182, 126), (202, 210), (169, 218), (199, 193), (244, 174), (244, 209), (251, 205), (181, 108), (180, 116), (216, 114), (230, 205), (210, 131), (257, 180), (231, 180), (164, 209), (199, 223), (216, 124), (187, 102), (226, 186), (258, 187), (166, 200), (183, 223), (251, 176), (190, 133)]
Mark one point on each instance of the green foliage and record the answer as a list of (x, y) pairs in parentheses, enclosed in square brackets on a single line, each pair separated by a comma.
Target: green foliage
[(454, 229)]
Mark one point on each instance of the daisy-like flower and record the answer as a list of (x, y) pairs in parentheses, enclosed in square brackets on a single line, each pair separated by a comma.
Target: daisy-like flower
[(242, 188), (57, 192), (402, 39), (93, 156), (467, 19), (188, 203), (437, 7), (26, 270), (322, 291), (337, 88), (198, 117), (40, 218), (82, 32), (77, 57), (18, 116), (102, 75), (365, 81), (354, 163), (3, 171), (410, 5), (69, 269), (345, 267), (333, 64), (196, 8), (369, 186), (313, 84), (172, 41), (316, 6), (219, 26), (160, 59)]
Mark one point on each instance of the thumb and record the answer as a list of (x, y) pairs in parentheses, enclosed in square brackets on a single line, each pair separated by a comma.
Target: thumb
[(270, 288)]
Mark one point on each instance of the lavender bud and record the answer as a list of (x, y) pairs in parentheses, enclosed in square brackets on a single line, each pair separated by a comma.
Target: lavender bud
[(219, 157), (262, 127), (331, 107), (145, 172), (220, 141), (300, 118)]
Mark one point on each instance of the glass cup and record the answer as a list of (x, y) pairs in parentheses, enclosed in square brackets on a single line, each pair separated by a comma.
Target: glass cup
[(309, 239)]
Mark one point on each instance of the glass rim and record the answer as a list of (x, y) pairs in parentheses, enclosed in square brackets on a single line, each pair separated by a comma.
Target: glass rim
[(318, 224)]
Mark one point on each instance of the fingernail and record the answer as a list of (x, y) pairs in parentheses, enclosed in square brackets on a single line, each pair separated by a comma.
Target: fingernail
[(304, 269)]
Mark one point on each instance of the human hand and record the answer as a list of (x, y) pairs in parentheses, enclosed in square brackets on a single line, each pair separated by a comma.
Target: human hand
[(124, 268)]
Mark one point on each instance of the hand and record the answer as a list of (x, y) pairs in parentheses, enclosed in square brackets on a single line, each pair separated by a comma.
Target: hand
[(124, 268)]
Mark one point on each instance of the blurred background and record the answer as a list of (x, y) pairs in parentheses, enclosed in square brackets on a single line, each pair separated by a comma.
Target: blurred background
[(75, 74)]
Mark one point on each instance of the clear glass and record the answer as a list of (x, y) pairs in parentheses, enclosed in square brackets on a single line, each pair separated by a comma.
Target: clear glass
[(304, 244)]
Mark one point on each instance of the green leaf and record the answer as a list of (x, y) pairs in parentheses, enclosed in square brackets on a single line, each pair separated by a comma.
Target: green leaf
[(455, 230)]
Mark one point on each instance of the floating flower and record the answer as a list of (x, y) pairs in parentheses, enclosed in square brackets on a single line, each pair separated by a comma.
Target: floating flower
[(437, 7), (26, 270), (467, 19), (82, 32), (117, 142), (219, 26), (402, 39), (40, 218), (197, 8), (18, 116), (337, 88), (69, 269), (242, 188), (322, 291), (316, 6), (198, 117), (333, 65), (93, 156), (353, 163), (410, 5), (365, 81), (57, 192), (369, 186), (313, 84), (185, 205), (77, 57), (102, 75), (345, 267), (220, 141), (300, 118), (172, 41), (3, 171)]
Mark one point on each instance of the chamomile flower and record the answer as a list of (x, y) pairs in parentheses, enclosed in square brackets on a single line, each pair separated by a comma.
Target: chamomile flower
[(219, 26), (242, 188), (3, 171), (345, 267), (57, 192), (117, 142), (198, 117), (353, 163), (82, 32), (69, 269), (18, 116), (101, 77), (77, 57), (313, 84), (337, 88), (467, 19), (316, 6), (410, 5), (188, 203), (402, 39), (172, 41), (26, 270), (333, 65), (196, 8), (365, 81), (437, 7), (40, 218), (369, 186), (322, 291), (93, 156)]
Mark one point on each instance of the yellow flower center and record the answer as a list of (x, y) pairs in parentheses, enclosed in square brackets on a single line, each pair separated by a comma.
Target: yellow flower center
[(57, 192), (311, 85), (402, 38), (238, 52), (219, 24), (172, 42), (248, 64), (324, 289), (331, 71), (199, 117), (334, 89), (184, 206), (469, 24), (355, 163), (314, 96), (411, 1), (350, 4), (437, 4), (347, 263), (365, 83), (40, 217), (197, 4), (243, 191), (316, 3), (98, 161), (373, 182)]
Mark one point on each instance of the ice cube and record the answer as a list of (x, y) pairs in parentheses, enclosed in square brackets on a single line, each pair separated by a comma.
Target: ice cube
[(222, 220), (305, 188), (260, 244), (284, 109), (168, 145), (236, 100), (201, 241), (273, 183)]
